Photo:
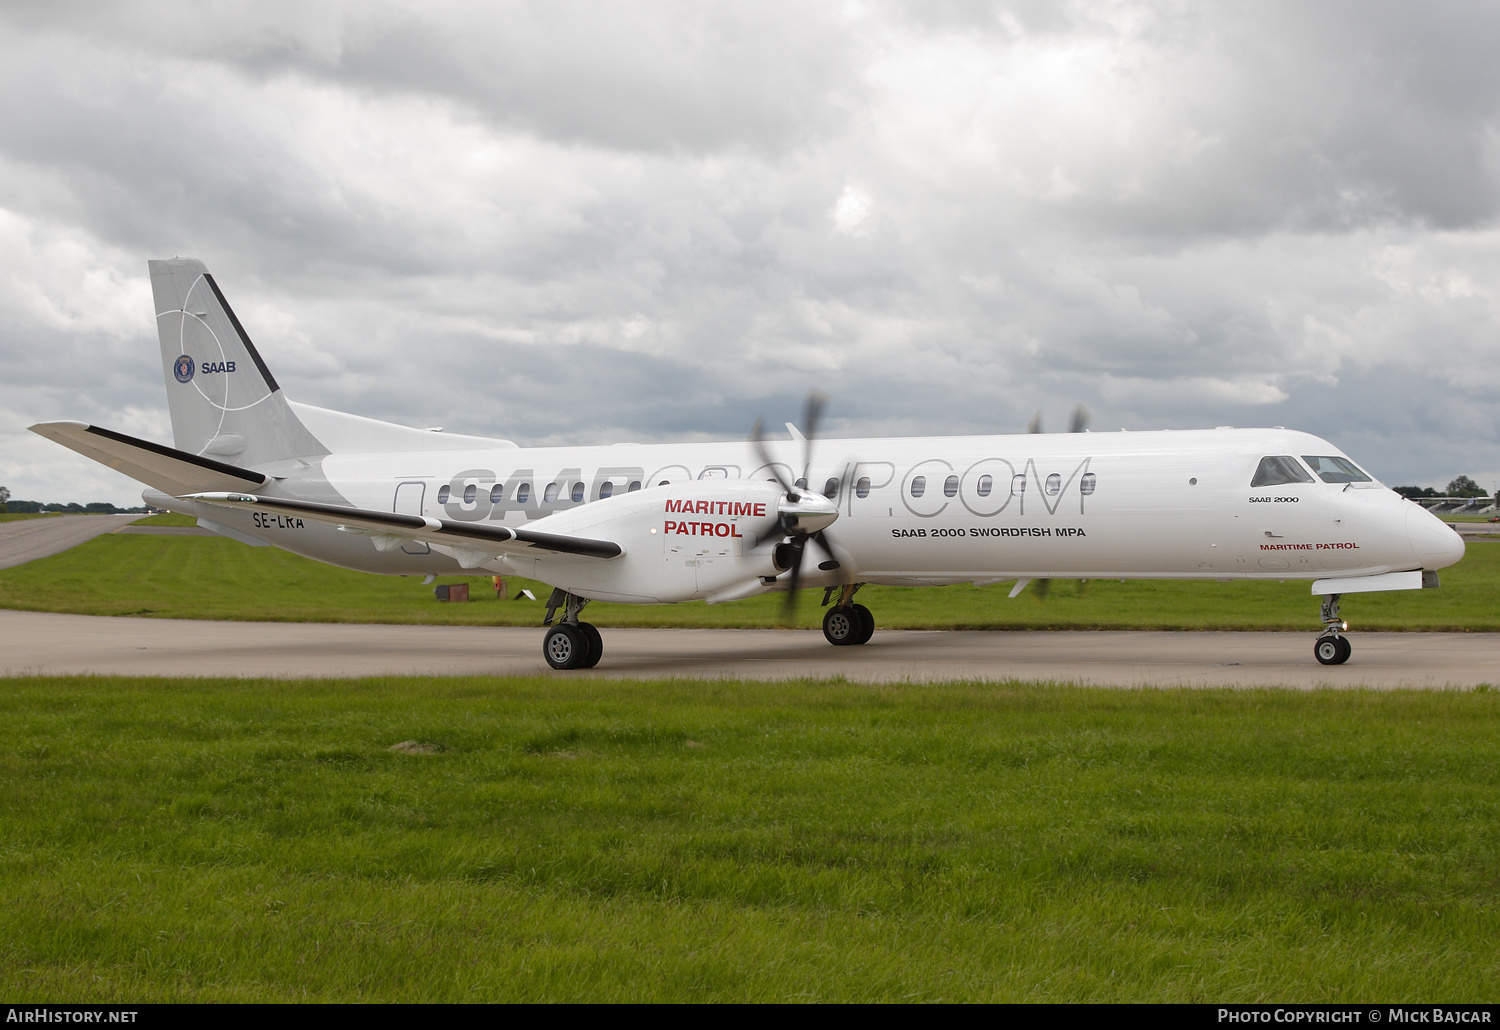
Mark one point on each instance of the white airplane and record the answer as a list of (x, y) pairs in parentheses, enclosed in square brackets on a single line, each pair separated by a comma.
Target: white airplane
[(664, 523)]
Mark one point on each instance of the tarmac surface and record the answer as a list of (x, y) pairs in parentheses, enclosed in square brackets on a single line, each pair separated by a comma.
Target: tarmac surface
[(29, 539), (40, 643)]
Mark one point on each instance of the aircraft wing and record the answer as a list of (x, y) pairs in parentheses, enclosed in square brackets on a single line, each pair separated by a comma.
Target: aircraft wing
[(473, 543), (166, 468)]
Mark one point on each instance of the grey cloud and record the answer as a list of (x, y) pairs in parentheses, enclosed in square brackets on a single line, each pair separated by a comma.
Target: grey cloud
[(640, 76)]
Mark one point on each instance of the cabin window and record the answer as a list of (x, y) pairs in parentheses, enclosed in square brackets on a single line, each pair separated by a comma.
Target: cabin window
[(523, 493), (986, 484), (1018, 483), (606, 489), (444, 493), (577, 492), (550, 494), (800, 484), (635, 484), (470, 492), (497, 493), (862, 487), (918, 486), (1333, 469), (831, 488), (1278, 470), (1087, 483), (1053, 484), (950, 486)]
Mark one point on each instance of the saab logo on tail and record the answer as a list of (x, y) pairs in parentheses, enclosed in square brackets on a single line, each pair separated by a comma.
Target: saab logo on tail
[(183, 369)]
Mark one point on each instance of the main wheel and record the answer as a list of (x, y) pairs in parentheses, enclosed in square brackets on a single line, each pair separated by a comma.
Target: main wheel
[(1345, 650), (565, 647), (866, 624), (842, 626), (1331, 650), (596, 645)]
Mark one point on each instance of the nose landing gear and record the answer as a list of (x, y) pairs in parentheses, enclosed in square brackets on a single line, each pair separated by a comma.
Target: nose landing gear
[(570, 644), (1332, 648)]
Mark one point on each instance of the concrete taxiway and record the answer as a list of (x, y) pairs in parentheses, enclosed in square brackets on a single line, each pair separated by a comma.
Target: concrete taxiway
[(34, 643), (29, 539)]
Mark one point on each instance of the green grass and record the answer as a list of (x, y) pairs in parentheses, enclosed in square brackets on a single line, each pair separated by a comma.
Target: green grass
[(17, 516), (171, 518), (212, 578), (668, 840)]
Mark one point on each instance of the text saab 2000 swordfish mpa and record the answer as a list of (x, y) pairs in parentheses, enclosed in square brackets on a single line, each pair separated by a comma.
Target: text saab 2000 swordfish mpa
[(658, 524)]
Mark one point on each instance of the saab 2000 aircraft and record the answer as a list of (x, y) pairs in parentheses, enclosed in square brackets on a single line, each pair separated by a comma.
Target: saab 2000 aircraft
[(663, 523)]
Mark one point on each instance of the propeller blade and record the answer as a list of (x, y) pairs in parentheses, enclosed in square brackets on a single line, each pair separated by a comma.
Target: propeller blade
[(798, 544), (1080, 419), (1035, 425), (757, 439), (816, 400)]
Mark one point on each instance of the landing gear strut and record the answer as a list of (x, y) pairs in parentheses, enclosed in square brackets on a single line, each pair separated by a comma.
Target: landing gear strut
[(570, 644), (847, 623), (1332, 648)]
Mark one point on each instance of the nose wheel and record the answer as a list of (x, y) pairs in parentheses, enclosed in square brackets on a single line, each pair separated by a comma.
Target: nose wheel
[(1332, 648)]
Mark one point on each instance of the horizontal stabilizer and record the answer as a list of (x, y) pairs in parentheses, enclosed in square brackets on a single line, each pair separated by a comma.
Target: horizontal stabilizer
[(495, 540), (165, 468)]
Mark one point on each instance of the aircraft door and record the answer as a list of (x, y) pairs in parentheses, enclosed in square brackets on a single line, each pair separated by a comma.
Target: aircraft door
[(409, 497)]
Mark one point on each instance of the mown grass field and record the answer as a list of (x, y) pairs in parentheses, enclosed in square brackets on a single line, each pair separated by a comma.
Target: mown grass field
[(213, 578), (669, 840)]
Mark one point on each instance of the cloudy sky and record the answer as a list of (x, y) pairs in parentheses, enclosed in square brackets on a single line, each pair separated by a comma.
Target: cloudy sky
[(590, 222)]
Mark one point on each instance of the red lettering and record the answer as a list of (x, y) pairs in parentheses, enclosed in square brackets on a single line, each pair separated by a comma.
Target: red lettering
[(721, 529), (760, 509)]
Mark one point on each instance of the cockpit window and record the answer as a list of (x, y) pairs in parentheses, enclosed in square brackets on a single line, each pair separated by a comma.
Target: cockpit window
[(1333, 469), (1279, 469)]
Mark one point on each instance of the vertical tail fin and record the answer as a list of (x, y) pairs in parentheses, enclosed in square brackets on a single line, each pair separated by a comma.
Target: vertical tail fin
[(224, 401)]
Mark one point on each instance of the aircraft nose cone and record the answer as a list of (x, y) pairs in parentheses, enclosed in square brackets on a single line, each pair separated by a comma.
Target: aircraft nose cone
[(1433, 541)]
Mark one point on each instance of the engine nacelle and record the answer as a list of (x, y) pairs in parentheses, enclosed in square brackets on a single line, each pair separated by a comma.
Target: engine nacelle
[(682, 542)]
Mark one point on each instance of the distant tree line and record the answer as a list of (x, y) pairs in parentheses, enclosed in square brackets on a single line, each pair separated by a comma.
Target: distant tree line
[(1463, 486), (72, 507)]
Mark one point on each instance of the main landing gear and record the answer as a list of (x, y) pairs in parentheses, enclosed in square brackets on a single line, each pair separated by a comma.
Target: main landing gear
[(847, 623), (1332, 648), (570, 644)]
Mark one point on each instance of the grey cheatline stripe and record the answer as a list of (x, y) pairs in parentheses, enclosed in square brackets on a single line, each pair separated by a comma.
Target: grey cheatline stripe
[(244, 336), (172, 452)]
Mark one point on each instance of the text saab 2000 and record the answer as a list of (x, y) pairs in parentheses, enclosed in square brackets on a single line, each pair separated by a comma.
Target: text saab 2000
[(659, 524)]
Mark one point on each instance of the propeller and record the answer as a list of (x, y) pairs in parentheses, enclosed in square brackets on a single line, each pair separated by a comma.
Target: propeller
[(1080, 420), (1078, 424), (804, 512)]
